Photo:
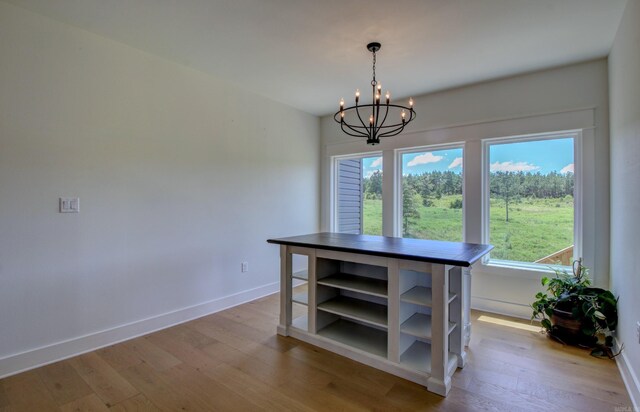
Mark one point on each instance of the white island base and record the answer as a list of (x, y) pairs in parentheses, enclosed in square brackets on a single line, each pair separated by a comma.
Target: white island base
[(404, 317)]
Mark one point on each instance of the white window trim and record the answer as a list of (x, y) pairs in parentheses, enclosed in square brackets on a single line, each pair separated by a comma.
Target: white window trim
[(333, 218), (398, 153), (498, 264)]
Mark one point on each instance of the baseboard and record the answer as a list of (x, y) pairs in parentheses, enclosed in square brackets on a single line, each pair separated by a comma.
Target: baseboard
[(629, 378), (499, 307), (34, 358)]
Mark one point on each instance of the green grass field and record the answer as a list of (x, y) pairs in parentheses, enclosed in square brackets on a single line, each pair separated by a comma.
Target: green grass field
[(536, 227)]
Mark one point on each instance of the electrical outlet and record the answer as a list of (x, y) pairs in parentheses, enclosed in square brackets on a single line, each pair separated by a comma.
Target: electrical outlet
[(244, 267), (69, 204)]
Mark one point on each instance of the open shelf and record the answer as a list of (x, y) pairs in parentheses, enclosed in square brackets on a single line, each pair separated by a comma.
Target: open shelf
[(373, 341), (301, 298), (375, 287), (419, 325), (368, 312), (301, 274), (301, 322), (421, 295), (418, 357)]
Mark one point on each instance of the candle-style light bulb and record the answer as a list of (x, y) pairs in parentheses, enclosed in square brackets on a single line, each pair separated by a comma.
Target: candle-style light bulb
[(342, 114), (388, 96), (411, 102), (371, 119), (379, 87), (403, 114), (377, 97), (341, 103)]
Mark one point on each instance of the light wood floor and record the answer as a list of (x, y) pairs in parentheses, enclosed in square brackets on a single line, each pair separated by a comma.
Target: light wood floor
[(233, 361)]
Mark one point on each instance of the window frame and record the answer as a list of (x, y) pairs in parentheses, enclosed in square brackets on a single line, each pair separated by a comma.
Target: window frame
[(334, 184), (577, 197), (398, 181)]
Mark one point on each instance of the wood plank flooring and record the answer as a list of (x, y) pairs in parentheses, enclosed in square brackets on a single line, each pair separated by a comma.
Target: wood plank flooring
[(234, 361)]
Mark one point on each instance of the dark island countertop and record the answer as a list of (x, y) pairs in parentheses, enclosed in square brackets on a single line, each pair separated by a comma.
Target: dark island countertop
[(434, 251)]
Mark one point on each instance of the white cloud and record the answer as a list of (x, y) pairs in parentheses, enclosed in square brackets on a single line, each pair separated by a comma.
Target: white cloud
[(567, 169), (423, 159), (510, 166), (457, 162), (377, 162)]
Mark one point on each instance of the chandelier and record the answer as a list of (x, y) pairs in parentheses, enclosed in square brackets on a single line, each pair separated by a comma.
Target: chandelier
[(351, 118)]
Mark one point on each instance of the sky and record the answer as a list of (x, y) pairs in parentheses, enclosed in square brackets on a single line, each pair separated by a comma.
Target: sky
[(538, 156)]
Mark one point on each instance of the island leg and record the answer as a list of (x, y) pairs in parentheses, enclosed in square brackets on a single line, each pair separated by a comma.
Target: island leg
[(285, 290), (456, 315), (439, 382)]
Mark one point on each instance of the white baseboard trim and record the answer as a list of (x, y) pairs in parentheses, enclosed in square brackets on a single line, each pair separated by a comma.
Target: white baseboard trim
[(44, 355), (500, 307), (629, 378)]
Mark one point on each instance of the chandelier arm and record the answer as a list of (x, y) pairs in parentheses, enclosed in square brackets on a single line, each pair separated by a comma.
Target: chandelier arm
[(352, 128), (384, 119), (391, 133), (412, 116), (361, 121), (359, 133), (401, 127)]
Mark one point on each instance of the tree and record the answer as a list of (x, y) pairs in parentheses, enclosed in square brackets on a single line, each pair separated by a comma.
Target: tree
[(506, 186), (373, 185), (409, 206)]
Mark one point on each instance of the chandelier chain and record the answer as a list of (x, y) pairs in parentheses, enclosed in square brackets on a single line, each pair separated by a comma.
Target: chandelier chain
[(373, 82)]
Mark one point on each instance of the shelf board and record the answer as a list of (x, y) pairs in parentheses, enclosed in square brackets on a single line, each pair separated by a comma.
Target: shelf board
[(418, 357), (368, 312), (375, 287), (301, 274), (419, 325), (373, 341), (301, 298), (421, 295), (301, 322)]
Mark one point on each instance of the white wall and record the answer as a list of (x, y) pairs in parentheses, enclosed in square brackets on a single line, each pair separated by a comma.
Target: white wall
[(181, 176), (624, 78), (571, 97)]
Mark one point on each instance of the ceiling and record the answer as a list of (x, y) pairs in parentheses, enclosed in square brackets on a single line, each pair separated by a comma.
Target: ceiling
[(309, 53)]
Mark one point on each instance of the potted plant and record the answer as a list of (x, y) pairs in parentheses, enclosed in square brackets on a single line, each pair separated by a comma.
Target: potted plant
[(574, 312)]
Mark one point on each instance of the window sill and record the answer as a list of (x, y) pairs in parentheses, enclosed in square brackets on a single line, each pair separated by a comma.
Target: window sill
[(517, 269)]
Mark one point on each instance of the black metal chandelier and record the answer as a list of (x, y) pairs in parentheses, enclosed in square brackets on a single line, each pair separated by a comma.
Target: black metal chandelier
[(351, 118)]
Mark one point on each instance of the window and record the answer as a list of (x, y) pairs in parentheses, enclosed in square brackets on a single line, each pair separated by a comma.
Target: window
[(358, 194), (372, 189), (431, 194), (529, 195)]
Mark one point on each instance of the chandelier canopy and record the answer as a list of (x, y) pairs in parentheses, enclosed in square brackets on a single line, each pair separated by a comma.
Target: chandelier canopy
[(351, 118)]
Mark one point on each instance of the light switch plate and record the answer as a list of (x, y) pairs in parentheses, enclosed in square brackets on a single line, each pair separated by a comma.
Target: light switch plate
[(69, 205)]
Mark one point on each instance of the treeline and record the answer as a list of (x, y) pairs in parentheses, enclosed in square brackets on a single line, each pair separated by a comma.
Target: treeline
[(503, 184)]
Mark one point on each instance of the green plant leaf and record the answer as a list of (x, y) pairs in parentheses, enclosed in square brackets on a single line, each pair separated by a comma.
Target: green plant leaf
[(588, 331), (546, 324)]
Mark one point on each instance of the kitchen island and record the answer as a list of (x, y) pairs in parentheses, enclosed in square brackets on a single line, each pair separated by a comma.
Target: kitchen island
[(396, 304)]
